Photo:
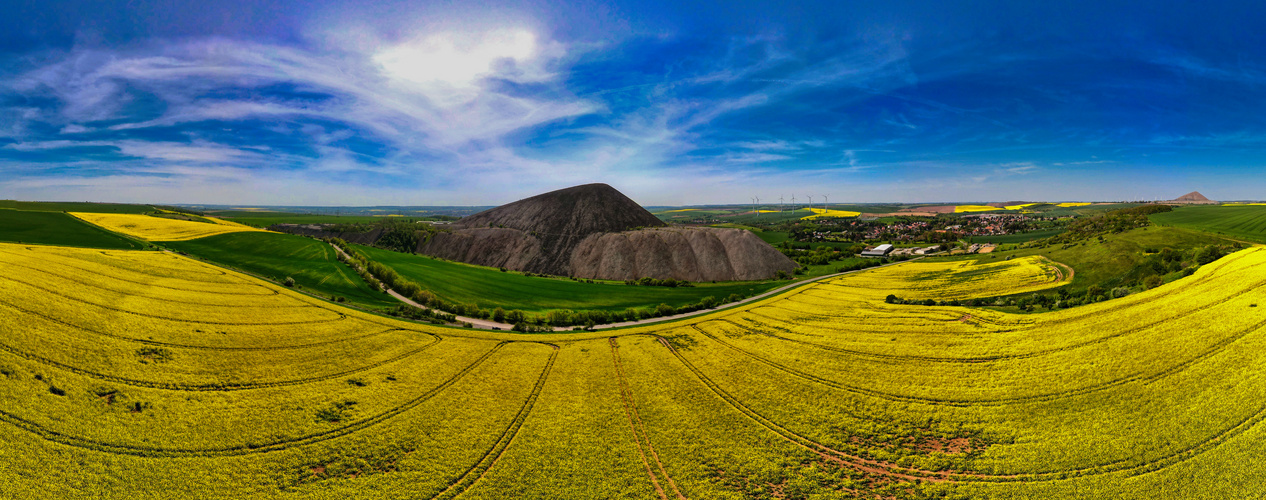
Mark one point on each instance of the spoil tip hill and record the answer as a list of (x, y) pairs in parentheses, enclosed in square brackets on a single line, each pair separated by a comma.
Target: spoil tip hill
[(594, 231)]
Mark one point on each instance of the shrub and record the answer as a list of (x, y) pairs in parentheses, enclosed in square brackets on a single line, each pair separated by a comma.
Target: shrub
[(1153, 281), (153, 354), (335, 413), (290, 282)]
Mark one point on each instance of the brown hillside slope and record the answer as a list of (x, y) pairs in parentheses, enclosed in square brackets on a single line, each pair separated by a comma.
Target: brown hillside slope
[(594, 231), (692, 254), (1192, 196)]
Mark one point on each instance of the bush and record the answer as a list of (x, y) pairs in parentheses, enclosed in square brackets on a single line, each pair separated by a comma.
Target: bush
[(1119, 292), (290, 282), (1153, 281)]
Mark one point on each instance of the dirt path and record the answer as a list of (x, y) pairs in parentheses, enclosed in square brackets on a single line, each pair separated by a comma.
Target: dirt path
[(476, 322)]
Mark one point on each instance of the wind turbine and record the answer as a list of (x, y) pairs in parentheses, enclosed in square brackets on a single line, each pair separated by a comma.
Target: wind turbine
[(810, 202), (780, 203), (755, 206), (793, 203), (824, 201)]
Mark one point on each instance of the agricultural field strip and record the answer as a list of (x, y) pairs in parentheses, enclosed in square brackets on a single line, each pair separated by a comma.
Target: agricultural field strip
[(116, 271), (149, 263), (157, 228), (910, 473), (639, 428), (341, 316), (490, 457), (99, 272), (1137, 377), (4, 303), (62, 438), (118, 259), (892, 321), (867, 311), (1073, 314), (1004, 357), (216, 387), (131, 293)]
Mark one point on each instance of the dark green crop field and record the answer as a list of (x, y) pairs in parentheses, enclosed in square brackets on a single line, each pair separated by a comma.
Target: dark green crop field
[(76, 206), (56, 228), (277, 256), (1240, 222), (490, 288), (265, 219)]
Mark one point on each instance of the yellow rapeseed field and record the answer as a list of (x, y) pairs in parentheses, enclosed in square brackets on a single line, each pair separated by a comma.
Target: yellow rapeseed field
[(161, 229), (974, 208), (148, 374), (827, 212)]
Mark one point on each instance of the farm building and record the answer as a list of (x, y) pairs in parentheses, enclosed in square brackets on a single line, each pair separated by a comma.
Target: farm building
[(879, 251)]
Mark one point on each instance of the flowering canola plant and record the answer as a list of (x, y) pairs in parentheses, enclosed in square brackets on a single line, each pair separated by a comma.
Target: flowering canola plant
[(167, 377), (162, 229)]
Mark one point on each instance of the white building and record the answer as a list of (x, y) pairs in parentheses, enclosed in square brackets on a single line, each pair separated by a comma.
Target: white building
[(879, 251)]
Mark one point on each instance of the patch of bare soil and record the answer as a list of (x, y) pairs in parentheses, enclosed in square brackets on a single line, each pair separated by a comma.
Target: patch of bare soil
[(950, 446)]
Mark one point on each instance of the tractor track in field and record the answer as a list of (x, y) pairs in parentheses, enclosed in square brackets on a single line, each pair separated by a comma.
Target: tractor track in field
[(150, 284), (216, 387), (984, 359), (493, 455), (245, 449), (639, 428), (1207, 353), (888, 320), (340, 317), (893, 470), (51, 319), (164, 299), (176, 274)]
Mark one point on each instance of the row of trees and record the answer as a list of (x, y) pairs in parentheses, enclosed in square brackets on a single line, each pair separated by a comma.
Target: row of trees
[(383, 277), (1152, 271)]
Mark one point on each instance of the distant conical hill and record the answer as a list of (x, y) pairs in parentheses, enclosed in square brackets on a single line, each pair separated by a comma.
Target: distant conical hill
[(594, 231), (574, 211), (1192, 196)]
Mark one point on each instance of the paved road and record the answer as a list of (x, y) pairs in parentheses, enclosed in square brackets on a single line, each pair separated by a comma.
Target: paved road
[(493, 325)]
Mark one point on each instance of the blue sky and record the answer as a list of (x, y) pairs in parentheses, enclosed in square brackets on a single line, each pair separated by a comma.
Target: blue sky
[(674, 103)]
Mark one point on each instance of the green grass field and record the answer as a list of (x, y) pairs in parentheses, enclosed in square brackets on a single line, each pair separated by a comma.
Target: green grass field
[(1245, 222), (265, 219), (276, 256), (490, 288), (56, 228), (1105, 263), (75, 206), (1017, 237)]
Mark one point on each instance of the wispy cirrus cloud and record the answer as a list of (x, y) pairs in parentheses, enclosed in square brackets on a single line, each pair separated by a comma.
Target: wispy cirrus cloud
[(488, 107)]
